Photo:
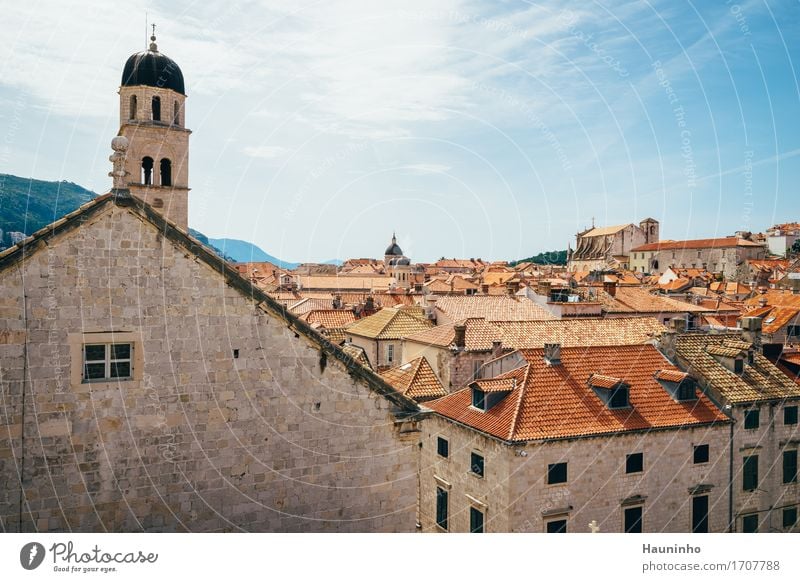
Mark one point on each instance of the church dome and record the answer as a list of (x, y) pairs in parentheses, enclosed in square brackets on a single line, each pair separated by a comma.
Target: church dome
[(394, 250), (153, 69)]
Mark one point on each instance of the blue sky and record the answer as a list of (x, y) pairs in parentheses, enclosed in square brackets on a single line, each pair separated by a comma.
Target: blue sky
[(485, 129)]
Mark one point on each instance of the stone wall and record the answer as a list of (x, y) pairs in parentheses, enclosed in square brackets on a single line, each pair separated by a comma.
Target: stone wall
[(517, 497), (232, 421)]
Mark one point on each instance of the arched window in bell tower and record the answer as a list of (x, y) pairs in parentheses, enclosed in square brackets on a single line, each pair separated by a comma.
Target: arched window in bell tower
[(132, 114), (176, 116), (166, 172), (156, 108), (147, 170)]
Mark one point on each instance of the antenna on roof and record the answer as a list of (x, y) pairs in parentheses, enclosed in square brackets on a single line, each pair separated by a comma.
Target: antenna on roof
[(592, 221)]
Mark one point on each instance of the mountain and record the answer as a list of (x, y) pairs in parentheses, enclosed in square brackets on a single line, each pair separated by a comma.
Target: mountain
[(548, 258), (26, 205), (244, 252)]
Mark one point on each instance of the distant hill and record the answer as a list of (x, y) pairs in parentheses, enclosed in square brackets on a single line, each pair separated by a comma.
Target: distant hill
[(26, 205), (548, 258), (244, 252)]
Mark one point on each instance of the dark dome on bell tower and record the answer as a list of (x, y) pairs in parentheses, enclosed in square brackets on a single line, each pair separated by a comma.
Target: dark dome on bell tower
[(153, 69)]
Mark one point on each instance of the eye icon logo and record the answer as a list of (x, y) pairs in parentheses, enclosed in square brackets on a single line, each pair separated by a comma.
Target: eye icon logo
[(31, 555)]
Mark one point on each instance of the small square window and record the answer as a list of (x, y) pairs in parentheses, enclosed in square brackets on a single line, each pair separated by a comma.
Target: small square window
[(475, 520), (634, 463), (789, 516), (556, 473), (476, 464), (700, 454), (619, 398), (751, 419), (790, 415), (750, 523), (556, 526), (107, 361), (442, 447)]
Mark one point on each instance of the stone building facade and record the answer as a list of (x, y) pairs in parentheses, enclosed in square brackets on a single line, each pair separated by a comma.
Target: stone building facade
[(546, 447), (514, 495), (609, 247), (148, 386), (727, 256)]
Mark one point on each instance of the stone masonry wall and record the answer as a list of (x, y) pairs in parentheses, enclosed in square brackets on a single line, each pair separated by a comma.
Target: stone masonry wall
[(517, 497), (278, 439)]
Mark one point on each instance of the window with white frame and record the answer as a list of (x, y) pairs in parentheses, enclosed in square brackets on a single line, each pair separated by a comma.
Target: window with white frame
[(390, 353), (111, 361)]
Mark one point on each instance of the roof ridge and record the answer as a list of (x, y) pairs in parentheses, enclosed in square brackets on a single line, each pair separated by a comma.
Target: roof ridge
[(514, 419)]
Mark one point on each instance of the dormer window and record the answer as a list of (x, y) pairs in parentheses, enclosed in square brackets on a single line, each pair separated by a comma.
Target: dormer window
[(614, 392), (679, 385), (487, 393), (730, 357)]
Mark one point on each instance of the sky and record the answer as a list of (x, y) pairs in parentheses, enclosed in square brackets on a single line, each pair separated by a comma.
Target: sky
[(474, 129)]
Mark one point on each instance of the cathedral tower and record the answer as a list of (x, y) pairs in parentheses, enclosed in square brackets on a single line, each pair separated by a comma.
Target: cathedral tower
[(152, 118)]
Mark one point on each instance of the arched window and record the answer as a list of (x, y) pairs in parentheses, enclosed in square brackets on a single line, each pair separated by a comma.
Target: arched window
[(166, 172), (156, 108), (147, 171), (132, 114), (176, 116)]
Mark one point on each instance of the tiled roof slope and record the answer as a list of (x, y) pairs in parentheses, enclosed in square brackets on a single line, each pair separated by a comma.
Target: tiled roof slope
[(703, 243), (579, 332), (534, 334), (329, 318), (639, 300), (415, 379), (491, 308), (478, 337), (759, 381), (554, 402), (388, 323)]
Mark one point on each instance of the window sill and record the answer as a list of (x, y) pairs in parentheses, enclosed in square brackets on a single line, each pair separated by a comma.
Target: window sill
[(475, 475), (107, 380)]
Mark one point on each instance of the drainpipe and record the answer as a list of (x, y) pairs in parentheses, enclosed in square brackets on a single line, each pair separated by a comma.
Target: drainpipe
[(731, 524)]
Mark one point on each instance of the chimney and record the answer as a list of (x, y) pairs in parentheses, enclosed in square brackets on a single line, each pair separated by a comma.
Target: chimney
[(762, 301), (552, 354), (751, 331), (543, 288), (461, 335), (497, 348), (337, 301), (678, 324), (610, 287)]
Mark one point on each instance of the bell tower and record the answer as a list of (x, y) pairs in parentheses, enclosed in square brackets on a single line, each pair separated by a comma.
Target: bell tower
[(152, 102)]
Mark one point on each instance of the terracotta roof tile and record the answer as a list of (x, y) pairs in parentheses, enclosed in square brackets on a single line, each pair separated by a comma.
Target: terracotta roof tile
[(496, 385), (415, 379), (603, 381), (759, 381), (552, 402), (330, 318), (671, 376), (703, 243), (388, 323), (491, 308)]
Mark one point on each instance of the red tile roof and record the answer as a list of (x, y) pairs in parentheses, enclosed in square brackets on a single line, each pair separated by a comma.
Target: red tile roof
[(555, 401), (703, 243), (416, 379)]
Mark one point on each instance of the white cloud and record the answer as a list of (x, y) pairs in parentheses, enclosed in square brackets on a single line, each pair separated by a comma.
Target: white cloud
[(265, 152)]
